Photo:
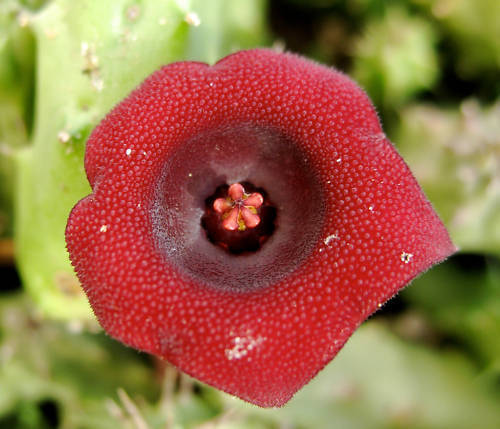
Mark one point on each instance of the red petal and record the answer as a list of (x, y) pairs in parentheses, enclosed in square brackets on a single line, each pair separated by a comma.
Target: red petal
[(359, 222)]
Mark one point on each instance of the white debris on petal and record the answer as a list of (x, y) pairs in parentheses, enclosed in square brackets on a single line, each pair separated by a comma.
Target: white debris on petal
[(339, 159), (128, 152), (193, 19), (104, 228), (370, 208), (242, 346), (190, 174), (406, 257), (330, 238)]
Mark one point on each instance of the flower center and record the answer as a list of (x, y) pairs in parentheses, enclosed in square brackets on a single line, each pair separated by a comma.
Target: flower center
[(239, 218), (238, 209)]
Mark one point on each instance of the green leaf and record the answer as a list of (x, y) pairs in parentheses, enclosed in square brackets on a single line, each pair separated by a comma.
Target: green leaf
[(225, 26), (17, 52), (474, 35), (396, 57), (90, 55), (379, 381), (454, 154), (51, 361), (462, 299)]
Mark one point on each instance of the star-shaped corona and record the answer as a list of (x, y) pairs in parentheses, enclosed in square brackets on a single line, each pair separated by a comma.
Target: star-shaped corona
[(239, 210)]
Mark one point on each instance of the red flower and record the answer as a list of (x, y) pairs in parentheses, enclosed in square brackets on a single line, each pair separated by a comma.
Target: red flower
[(259, 308)]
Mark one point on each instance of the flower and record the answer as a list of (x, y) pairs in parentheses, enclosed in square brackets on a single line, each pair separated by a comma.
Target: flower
[(258, 309)]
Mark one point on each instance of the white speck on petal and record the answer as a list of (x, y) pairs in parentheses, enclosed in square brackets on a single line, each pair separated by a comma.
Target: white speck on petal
[(128, 152), (406, 257), (330, 238), (104, 228), (370, 208), (242, 346)]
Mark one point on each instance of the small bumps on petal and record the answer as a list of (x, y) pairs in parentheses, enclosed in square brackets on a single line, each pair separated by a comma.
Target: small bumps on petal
[(352, 226)]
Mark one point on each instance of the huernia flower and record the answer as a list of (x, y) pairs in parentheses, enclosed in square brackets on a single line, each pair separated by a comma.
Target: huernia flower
[(245, 219)]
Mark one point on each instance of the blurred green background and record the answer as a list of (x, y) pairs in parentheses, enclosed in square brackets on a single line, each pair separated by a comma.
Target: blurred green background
[(429, 359)]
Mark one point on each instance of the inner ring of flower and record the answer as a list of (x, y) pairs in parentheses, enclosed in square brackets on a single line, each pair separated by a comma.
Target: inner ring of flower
[(188, 231)]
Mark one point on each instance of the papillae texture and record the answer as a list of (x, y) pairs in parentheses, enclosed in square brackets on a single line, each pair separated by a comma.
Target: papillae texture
[(352, 225)]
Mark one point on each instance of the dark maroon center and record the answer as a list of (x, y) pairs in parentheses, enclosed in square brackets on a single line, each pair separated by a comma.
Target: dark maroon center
[(200, 170)]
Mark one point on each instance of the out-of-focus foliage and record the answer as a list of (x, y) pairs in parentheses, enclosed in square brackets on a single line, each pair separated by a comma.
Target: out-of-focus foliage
[(379, 381), (396, 57), (89, 56), (463, 300), (16, 91), (473, 32), (228, 26), (430, 360), (41, 363), (455, 153), (87, 59)]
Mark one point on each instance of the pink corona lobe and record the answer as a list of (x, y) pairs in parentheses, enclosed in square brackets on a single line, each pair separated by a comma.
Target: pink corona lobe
[(255, 216), (239, 210)]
